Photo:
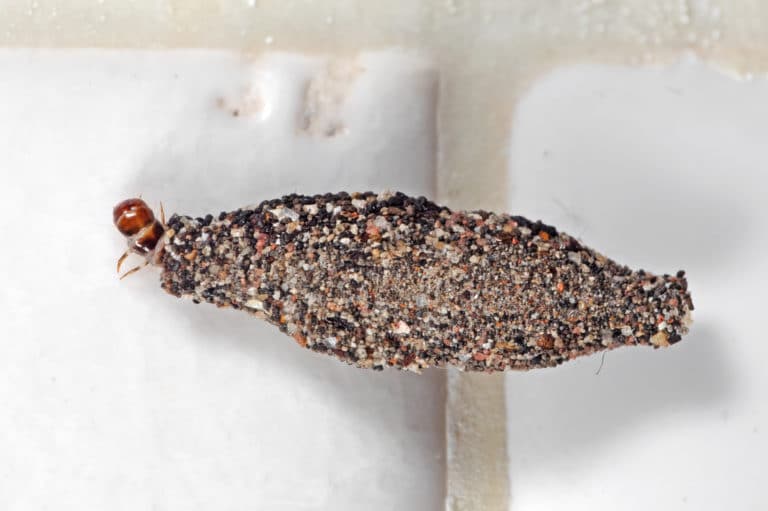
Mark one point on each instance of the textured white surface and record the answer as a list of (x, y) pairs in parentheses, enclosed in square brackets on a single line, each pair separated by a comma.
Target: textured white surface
[(660, 169), (114, 395)]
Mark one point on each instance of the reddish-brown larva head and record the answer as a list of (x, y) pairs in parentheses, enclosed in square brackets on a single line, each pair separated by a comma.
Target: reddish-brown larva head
[(136, 221), (131, 216)]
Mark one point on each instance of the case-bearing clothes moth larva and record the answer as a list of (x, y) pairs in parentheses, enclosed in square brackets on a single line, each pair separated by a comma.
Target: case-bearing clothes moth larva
[(391, 280)]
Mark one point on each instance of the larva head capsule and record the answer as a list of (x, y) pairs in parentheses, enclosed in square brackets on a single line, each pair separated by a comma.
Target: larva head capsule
[(136, 221)]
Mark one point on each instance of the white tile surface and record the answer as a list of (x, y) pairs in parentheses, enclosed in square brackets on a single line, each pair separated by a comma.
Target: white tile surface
[(114, 395), (661, 169)]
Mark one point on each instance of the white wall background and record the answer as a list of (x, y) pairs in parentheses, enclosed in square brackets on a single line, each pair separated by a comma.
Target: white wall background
[(114, 395), (660, 169)]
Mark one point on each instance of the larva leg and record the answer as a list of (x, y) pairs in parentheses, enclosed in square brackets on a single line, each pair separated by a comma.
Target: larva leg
[(133, 270), (121, 260)]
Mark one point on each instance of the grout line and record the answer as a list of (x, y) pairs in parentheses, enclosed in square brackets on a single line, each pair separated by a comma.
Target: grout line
[(476, 443)]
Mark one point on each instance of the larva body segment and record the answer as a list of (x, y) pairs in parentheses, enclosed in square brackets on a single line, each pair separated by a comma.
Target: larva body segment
[(392, 280)]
